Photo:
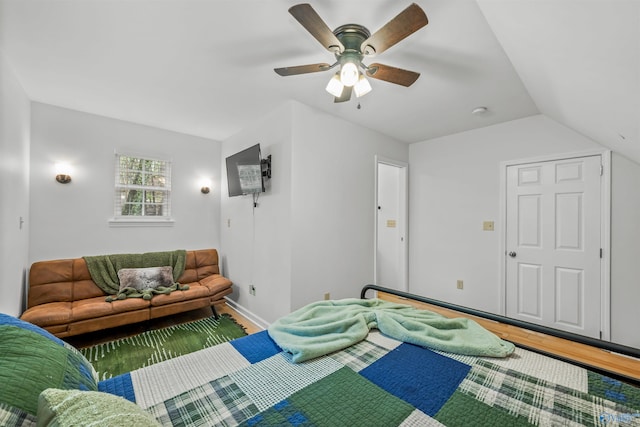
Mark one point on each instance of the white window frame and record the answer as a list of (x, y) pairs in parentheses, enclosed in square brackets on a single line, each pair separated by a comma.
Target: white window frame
[(142, 220)]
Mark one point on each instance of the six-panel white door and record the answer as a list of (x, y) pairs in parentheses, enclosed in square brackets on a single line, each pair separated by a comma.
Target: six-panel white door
[(553, 244)]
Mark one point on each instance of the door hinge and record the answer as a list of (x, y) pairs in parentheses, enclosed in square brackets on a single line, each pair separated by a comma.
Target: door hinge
[(600, 334), (601, 170), (600, 252)]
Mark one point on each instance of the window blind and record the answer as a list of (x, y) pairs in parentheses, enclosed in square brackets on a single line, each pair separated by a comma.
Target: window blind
[(142, 187)]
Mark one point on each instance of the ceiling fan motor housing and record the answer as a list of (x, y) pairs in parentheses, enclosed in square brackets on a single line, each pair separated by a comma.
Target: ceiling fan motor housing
[(351, 36)]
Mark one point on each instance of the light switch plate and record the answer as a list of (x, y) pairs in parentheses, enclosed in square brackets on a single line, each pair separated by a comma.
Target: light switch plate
[(487, 225)]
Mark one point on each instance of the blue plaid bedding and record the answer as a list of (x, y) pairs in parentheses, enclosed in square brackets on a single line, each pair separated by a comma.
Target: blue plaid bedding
[(377, 382)]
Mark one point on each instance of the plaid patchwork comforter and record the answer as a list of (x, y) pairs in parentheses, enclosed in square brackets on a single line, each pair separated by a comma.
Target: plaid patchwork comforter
[(377, 382)]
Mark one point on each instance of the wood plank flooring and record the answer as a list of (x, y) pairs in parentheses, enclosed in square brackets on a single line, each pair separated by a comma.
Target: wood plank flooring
[(248, 325)]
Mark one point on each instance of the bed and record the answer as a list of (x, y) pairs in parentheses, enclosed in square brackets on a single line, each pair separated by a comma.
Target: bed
[(377, 381)]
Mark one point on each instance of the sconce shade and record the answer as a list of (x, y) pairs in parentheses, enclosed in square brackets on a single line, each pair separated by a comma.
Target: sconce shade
[(63, 172), (363, 86), (205, 185), (335, 86), (63, 178), (349, 74)]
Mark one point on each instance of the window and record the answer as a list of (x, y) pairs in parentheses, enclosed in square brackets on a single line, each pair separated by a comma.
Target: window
[(143, 189)]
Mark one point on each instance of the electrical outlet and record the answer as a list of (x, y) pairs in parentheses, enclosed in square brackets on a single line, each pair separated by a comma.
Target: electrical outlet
[(460, 284), (327, 296)]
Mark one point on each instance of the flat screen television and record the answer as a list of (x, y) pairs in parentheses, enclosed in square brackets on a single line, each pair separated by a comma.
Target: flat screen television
[(244, 172)]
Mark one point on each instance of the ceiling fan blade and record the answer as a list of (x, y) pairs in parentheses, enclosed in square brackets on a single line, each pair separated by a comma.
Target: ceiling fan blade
[(392, 74), (403, 25), (310, 20), (346, 94), (302, 69)]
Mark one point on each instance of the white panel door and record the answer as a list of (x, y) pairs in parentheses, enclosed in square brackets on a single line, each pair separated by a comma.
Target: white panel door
[(391, 207), (553, 244), (388, 244)]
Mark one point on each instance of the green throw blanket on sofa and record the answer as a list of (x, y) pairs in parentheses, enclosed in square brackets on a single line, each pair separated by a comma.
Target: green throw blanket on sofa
[(104, 272), (326, 326)]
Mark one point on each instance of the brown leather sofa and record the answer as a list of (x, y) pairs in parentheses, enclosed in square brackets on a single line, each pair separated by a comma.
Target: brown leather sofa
[(65, 301)]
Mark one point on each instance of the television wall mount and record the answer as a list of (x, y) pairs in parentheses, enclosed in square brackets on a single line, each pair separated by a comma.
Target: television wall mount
[(266, 167)]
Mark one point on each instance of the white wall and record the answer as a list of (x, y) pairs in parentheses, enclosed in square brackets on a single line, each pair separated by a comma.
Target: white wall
[(15, 113), (257, 242), (454, 187), (71, 220), (313, 230), (625, 250), (333, 188)]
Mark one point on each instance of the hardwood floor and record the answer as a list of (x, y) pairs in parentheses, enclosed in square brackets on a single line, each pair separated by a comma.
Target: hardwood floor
[(248, 325), (597, 358)]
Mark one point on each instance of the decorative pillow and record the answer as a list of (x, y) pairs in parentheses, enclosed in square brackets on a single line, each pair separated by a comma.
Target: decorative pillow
[(31, 360), (145, 278), (76, 408)]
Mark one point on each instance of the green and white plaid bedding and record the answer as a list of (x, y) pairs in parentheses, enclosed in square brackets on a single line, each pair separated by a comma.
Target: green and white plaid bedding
[(377, 382)]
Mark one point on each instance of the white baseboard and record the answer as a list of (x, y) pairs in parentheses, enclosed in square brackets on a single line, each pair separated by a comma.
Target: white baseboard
[(259, 322)]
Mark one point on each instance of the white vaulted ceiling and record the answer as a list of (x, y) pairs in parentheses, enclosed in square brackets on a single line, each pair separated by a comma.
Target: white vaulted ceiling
[(206, 67)]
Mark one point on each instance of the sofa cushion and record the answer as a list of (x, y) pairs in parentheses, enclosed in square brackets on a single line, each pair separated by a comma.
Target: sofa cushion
[(198, 264), (195, 291), (216, 283), (49, 314), (75, 408), (91, 308), (83, 289), (32, 360), (206, 262), (63, 313), (145, 278)]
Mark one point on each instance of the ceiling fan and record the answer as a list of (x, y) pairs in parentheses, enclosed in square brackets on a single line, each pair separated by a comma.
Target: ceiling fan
[(351, 43)]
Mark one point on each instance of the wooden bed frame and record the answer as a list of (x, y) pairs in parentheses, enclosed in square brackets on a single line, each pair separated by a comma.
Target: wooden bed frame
[(611, 359)]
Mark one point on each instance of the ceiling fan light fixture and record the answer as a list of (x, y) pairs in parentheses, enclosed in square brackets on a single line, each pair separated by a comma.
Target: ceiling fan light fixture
[(335, 86), (349, 73), (350, 44), (362, 87)]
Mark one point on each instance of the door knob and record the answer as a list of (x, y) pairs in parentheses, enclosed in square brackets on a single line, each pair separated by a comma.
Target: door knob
[(512, 254)]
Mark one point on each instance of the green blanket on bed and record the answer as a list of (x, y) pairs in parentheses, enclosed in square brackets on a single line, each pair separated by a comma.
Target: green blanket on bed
[(104, 271), (327, 326)]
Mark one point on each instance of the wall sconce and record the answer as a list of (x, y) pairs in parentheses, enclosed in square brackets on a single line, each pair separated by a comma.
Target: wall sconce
[(63, 173), (205, 186)]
